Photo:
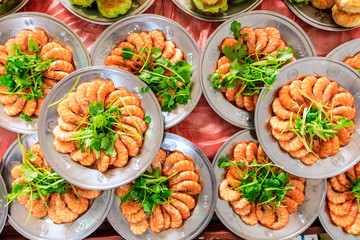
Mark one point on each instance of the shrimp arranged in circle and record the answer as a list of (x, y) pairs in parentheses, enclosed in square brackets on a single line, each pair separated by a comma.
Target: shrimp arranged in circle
[(259, 44), (27, 44), (62, 206), (77, 119), (305, 97), (273, 212), (183, 180)]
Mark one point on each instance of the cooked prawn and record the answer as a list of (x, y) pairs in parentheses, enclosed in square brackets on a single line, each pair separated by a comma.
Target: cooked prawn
[(274, 37), (345, 220), (157, 220), (77, 205), (227, 193), (64, 147), (250, 39), (158, 39), (338, 198), (169, 50), (130, 207), (59, 53), (189, 187), (139, 228), (182, 176), (262, 38), (176, 218)]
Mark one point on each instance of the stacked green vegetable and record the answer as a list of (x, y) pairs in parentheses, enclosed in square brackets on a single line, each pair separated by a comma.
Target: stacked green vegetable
[(107, 8)]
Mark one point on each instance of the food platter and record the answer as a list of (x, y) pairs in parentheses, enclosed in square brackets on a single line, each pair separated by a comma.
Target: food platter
[(299, 221), (203, 211), (91, 178), (292, 34), (11, 6), (348, 156), (321, 19), (93, 15), (45, 228), (109, 39), (348, 49), (3, 202), (189, 7), (11, 25)]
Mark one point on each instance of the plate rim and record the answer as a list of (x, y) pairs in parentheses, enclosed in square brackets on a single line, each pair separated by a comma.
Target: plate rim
[(42, 138), (210, 38), (257, 124), (214, 164)]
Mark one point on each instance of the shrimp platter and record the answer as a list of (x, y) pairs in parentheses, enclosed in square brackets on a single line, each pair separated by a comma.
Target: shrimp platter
[(250, 62), (31, 63), (159, 63), (313, 117), (258, 190), (44, 193), (100, 125), (343, 194), (163, 197)]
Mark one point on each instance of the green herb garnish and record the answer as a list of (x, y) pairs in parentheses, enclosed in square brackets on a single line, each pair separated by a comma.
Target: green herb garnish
[(41, 182), (150, 189), (252, 72), (262, 183), (170, 82), (24, 72), (356, 190)]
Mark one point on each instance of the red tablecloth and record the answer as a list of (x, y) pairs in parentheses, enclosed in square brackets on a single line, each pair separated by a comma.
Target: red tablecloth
[(203, 126)]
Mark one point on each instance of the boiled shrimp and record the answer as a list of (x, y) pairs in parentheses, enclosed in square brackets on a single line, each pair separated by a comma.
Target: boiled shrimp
[(227, 193), (189, 187), (76, 205)]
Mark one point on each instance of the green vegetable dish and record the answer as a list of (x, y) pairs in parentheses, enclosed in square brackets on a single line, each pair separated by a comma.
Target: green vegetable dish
[(168, 190), (214, 7), (313, 118), (44, 192), (258, 190), (107, 8), (157, 62), (250, 63)]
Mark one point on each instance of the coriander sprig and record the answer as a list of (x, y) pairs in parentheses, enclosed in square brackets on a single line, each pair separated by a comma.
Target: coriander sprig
[(170, 82), (356, 190), (150, 189), (24, 73)]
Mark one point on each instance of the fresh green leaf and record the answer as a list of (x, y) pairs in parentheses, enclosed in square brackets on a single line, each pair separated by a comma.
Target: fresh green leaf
[(127, 53), (147, 119), (235, 28), (25, 117)]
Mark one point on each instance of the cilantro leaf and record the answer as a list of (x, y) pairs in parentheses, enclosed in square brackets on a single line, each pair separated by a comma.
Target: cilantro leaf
[(235, 28), (127, 53), (147, 119), (25, 117)]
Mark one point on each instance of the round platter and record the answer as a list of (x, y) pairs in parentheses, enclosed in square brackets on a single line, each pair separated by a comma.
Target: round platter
[(11, 6), (206, 202), (119, 31), (44, 228), (3, 202), (11, 25), (348, 156), (321, 19), (299, 221), (292, 34), (91, 178), (93, 15), (348, 49), (233, 8), (334, 231)]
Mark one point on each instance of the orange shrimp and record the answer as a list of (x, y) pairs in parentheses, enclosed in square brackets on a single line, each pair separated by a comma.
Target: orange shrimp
[(30, 107), (344, 136), (139, 228), (15, 108), (307, 85), (344, 181), (335, 145), (114, 60), (279, 124), (341, 111), (329, 91), (130, 144), (310, 159), (189, 187), (103, 162), (319, 88), (251, 218), (274, 37), (295, 94), (265, 215), (338, 198), (340, 209), (87, 193), (123, 190), (176, 218), (239, 100), (22, 39), (122, 156), (59, 53), (84, 158), (128, 100), (136, 40), (61, 65), (262, 38), (177, 56), (147, 40), (130, 207), (243, 211), (39, 36), (297, 195), (354, 228), (76, 205), (187, 199), (353, 62), (233, 181), (286, 100), (133, 110), (67, 114), (248, 103), (250, 39), (285, 136), (181, 207), (92, 89), (181, 166), (282, 218), (297, 184), (49, 46), (158, 39), (66, 126), (281, 111), (227, 193), (292, 145), (230, 94), (346, 220), (135, 122), (290, 204), (169, 50), (182, 176), (157, 220), (64, 147), (240, 203), (230, 42), (342, 99), (172, 159), (9, 45), (119, 93), (130, 131), (167, 218)]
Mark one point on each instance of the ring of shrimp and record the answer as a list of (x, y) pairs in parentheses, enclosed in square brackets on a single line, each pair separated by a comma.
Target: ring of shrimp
[(186, 184), (130, 125), (252, 213), (290, 103)]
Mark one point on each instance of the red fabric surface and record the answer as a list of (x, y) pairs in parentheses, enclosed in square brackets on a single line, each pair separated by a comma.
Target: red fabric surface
[(203, 126)]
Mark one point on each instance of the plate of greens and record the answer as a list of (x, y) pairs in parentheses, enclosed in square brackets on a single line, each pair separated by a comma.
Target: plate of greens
[(106, 12), (205, 203), (218, 11), (177, 102), (11, 6), (324, 167), (296, 44), (298, 222)]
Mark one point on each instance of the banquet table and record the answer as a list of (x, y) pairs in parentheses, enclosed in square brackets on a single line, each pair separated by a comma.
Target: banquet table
[(203, 126)]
